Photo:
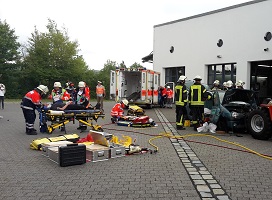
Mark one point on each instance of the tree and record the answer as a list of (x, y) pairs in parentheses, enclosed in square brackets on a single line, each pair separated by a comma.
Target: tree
[(104, 75), (9, 58), (136, 66), (51, 56)]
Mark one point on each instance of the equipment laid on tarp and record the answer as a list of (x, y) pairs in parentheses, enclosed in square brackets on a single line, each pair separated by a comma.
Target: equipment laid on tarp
[(135, 121), (97, 146), (60, 118), (37, 143), (134, 110)]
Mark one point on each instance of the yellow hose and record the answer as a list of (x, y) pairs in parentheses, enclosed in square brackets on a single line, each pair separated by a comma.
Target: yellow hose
[(206, 135)]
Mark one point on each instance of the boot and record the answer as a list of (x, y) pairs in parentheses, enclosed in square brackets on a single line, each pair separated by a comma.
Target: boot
[(31, 132), (180, 128)]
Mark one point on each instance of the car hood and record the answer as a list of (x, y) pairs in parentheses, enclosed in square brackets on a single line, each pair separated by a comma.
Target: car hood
[(239, 95)]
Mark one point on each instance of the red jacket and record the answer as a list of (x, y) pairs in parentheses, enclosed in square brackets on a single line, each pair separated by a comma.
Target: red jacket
[(163, 92), (31, 100), (117, 110), (169, 93)]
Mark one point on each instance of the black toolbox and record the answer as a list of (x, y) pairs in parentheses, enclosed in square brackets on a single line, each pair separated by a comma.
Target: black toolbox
[(72, 154)]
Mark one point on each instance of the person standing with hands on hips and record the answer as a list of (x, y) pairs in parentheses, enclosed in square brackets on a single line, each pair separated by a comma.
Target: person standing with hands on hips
[(100, 93), (181, 100)]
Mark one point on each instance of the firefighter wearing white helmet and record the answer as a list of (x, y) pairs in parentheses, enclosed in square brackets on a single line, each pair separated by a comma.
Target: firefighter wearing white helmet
[(197, 96), (216, 85), (117, 110), (229, 84), (181, 100), (82, 97), (30, 102), (59, 94), (240, 84), (225, 86)]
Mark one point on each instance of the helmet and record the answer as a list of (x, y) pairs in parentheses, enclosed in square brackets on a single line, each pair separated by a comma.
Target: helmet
[(168, 87), (229, 83), (99, 81), (125, 102), (57, 84), (216, 82), (197, 77), (81, 84), (182, 78), (239, 83), (225, 84), (43, 88)]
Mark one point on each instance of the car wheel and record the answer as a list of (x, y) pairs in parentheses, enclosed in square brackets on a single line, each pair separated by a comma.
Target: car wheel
[(259, 125)]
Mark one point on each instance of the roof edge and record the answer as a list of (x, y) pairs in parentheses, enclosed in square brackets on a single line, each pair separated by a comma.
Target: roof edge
[(210, 12)]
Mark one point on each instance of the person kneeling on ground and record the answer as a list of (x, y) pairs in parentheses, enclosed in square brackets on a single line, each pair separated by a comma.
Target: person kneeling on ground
[(118, 110)]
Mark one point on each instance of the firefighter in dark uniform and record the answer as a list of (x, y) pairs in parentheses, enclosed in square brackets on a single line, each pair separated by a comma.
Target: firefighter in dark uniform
[(197, 97), (181, 102), (30, 102)]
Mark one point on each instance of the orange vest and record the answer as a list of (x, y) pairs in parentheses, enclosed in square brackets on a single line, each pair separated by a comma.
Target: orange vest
[(100, 90)]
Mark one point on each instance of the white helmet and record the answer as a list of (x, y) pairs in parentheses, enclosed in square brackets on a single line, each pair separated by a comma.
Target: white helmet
[(81, 84), (229, 83), (197, 77), (225, 84), (216, 82), (43, 88), (168, 86), (239, 83), (57, 84), (125, 102), (182, 78)]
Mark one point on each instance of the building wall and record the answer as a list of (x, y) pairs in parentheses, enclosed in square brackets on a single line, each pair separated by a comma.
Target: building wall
[(242, 29)]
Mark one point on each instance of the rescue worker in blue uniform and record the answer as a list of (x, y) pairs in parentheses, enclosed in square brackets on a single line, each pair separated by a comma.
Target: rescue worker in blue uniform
[(181, 102), (197, 97), (30, 102)]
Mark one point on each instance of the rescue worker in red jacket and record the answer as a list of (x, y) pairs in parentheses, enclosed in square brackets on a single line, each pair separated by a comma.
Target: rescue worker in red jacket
[(30, 102), (118, 110), (197, 97), (169, 97), (181, 99), (162, 93), (59, 94)]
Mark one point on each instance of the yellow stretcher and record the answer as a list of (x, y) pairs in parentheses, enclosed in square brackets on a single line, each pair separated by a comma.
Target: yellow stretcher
[(61, 118)]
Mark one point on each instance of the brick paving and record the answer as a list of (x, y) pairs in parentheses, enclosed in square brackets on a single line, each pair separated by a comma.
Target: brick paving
[(187, 170)]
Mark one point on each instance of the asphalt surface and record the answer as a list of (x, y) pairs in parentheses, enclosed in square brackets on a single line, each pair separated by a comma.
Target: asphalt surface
[(198, 167)]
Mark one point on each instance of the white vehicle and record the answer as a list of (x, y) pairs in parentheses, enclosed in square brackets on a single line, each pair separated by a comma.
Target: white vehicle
[(138, 86)]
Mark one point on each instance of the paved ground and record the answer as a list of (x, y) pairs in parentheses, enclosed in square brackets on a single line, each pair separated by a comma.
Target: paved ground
[(198, 168)]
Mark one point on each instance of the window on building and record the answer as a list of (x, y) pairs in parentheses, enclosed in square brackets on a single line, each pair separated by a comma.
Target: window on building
[(221, 72), (172, 74)]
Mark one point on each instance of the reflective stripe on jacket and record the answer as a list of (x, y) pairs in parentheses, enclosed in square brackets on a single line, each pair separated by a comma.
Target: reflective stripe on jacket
[(180, 95), (197, 95), (117, 110)]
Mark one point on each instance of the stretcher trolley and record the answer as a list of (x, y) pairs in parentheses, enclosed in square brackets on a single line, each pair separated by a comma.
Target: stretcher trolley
[(61, 118)]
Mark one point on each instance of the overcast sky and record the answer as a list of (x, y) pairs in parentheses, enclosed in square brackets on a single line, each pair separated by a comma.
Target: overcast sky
[(118, 30)]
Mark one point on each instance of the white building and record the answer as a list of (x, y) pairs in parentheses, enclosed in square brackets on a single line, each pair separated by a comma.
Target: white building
[(232, 43)]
